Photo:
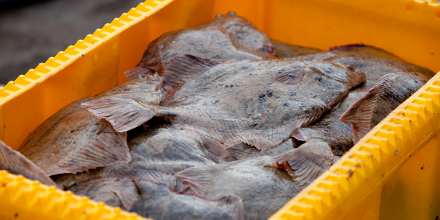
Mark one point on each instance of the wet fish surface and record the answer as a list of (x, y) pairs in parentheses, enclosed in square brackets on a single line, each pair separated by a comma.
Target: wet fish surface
[(157, 153), (330, 137), (15, 163), (159, 203), (325, 140), (227, 37), (273, 99), (73, 140), (375, 62), (391, 90), (263, 190)]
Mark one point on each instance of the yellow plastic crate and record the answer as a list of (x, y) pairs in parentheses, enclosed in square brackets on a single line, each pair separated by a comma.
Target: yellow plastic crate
[(390, 174)]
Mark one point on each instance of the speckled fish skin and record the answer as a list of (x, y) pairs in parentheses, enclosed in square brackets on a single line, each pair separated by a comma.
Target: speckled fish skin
[(227, 37), (324, 140), (329, 129), (73, 140), (15, 163), (158, 202), (157, 153), (259, 103), (286, 50), (391, 90), (330, 137), (263, 190), (374, 61)]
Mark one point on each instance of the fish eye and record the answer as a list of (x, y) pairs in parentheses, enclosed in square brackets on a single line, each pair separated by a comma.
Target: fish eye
[(351, 68)]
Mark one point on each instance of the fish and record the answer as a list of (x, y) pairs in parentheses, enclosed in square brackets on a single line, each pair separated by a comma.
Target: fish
[(325, 141), (147, 184), (112, 191), (74, 140), (286, 50), (227, 37), (158, 202), (391, 90), (244, 151), (336, 133), (272, 100), (375, 62), (338, 130), (157, 153), (263, 190), (15, 163)]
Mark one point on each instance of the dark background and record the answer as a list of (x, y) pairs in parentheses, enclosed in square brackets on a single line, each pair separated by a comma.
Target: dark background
[(33, 31)]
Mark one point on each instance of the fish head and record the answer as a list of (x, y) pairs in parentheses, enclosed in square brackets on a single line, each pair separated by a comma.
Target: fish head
[(355, 75), (245, 35)]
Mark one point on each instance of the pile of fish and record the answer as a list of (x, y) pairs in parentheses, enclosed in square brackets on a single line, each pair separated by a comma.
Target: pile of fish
[(216, 122)]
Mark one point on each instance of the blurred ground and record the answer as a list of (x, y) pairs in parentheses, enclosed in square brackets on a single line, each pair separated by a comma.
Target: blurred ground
[(33, 31)]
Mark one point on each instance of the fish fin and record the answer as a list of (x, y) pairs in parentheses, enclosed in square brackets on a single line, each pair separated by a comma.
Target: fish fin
[(145, 89), (291, 77), (214, 147), (127, 192), (262, 140), (391, 90), (156, 177), (15, 163), (123, 114), (137, 71), (181, 69), (107, 148), (359, 115), (237, 204), (199, 179), (240, 151), (305, 163), (299, 135)]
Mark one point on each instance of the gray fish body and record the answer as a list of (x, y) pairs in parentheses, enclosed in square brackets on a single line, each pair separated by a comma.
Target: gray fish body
[(263, 104), (330, 138), (15, 163), (374, 61), (329, 129), (159, 203), (157, 153), (73, 140), (380, 100), (262, 189), (114, 192), (258, 103), (226, 37), (325, 141)]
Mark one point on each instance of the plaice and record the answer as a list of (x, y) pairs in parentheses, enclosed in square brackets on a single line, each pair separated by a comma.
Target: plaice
[(73, 140), (374, 61), (227, 37), (259, 103), (391, 90), (262, 189)]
